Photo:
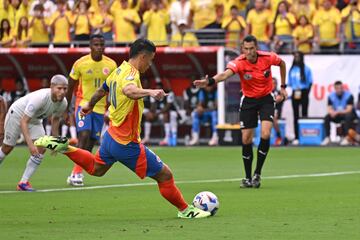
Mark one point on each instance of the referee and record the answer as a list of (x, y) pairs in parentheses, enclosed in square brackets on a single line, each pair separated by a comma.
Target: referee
[(254, 69)]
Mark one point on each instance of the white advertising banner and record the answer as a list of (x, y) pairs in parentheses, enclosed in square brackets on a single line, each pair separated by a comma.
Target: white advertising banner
[(326, 70)]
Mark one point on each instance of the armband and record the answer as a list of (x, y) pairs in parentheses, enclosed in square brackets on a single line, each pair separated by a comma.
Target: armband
[(211, 81)]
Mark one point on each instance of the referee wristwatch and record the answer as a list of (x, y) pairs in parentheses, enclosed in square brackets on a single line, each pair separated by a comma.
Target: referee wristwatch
[(283, 86)]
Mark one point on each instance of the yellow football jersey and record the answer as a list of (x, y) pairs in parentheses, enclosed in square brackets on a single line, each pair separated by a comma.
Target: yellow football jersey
[(327, 21), (125, 113), (259, 23), (91, 75)]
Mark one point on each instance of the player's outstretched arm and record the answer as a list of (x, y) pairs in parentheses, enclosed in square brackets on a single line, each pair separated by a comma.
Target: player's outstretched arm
[(87, 108), (133, 92), (208, 81)]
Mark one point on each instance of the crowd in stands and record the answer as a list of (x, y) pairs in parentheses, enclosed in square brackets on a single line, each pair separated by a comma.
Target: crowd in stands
[(279, 25)]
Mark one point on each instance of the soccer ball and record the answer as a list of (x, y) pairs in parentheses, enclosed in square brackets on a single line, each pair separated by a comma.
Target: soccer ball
[(206, 201)]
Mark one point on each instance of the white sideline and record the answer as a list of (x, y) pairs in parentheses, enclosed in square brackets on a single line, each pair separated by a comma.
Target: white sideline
[(188, 182)]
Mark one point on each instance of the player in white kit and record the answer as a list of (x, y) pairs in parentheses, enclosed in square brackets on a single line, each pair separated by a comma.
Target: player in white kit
[(25, 116)]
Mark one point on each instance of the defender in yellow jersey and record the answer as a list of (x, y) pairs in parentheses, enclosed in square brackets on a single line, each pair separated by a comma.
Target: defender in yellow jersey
[(121, 143), (87, 74)]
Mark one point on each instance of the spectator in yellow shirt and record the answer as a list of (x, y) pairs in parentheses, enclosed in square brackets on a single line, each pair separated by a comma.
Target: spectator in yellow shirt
[(104, 21), (273, 5), (183, 38), (303, 7), (258, 22), (228, 4), (327, 27), (156, 19), (16, 9), (23, 35), (39, 27), (351, 20), (303, 35), (6, 34), (282, 27), (60, 23), (206, 14), (4, 5), (126, 21), (234, 26), (82, 24)]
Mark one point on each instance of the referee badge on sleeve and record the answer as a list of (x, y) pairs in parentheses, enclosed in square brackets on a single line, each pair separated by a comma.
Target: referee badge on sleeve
[(247, 76), (267, 73)]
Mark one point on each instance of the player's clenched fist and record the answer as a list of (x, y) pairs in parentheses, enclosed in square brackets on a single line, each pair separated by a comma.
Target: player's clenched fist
[(86, 109)]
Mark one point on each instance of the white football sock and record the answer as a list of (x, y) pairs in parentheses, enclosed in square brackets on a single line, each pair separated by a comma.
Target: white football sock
[(2, 156), (73, 132), (31, 166), (147, 130), (167, 130), (173, 123), (48, 130), (64, 130)]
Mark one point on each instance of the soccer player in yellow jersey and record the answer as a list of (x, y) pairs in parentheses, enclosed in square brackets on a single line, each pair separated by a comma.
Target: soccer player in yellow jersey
[(87, 74), (121, 142)]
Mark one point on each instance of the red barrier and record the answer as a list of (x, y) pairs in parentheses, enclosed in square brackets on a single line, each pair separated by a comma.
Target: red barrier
[(172, 63)]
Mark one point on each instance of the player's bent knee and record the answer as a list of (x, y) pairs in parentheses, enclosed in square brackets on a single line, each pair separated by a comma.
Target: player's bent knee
[(164, 175), (100, 170), (97, 174), (6, 149), (265, 135), (247, 139), (41, 150)]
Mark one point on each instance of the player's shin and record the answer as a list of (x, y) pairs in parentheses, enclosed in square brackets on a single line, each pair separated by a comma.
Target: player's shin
[(247, 153), (262, 152), (32, 165), (170, 192), (83, 158)]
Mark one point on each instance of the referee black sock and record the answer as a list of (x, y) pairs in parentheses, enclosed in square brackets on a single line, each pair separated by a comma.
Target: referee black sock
[(262, 152), (247, 153)]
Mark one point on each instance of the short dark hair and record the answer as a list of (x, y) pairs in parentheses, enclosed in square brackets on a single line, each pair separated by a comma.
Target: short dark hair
[(96, 36), (250, 38), (141, 45), (338, 82), (234, 7)]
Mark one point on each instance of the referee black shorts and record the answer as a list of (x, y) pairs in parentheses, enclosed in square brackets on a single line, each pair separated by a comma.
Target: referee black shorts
[(253, 108)]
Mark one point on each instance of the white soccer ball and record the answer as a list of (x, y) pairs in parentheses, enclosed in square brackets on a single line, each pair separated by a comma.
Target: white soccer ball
[(206, 201)]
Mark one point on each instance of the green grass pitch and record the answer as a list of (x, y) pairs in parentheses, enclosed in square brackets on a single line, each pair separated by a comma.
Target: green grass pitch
[(299, 205)]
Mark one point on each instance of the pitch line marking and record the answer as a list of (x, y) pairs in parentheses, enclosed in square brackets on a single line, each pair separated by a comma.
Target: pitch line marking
[(187, 182)]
